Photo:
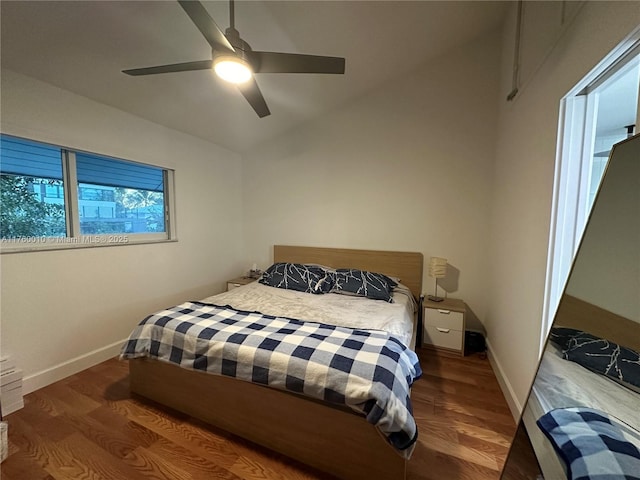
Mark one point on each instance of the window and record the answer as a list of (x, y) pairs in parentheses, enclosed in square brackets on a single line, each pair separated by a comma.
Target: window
[(54, 197), (28, 172), (615, 97), (597, 113), (119, 197)]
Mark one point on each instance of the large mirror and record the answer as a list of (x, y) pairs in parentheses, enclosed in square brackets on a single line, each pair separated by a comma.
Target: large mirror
[(589, 373)]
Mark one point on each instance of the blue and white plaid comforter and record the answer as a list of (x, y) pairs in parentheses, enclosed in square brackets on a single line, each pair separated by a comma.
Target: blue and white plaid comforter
[(367, 370), (593, 445)]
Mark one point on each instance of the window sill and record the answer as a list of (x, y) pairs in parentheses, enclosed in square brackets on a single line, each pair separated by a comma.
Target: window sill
[(37, 244)]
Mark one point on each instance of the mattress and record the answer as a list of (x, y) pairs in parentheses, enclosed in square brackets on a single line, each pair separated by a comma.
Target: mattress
[(396, 318)]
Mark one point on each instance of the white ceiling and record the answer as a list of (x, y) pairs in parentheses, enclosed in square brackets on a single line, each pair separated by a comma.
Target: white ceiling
[(82, 46)]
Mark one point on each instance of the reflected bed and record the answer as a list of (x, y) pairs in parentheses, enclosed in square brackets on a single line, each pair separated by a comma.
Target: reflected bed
[(562, 383)]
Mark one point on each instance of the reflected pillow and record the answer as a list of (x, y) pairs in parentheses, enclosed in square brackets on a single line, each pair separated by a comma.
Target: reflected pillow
[(298, 277), (599, 355), (351, 281), (561, 336)]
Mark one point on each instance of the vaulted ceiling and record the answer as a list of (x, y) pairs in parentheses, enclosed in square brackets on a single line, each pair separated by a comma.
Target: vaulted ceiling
[(82, 46)]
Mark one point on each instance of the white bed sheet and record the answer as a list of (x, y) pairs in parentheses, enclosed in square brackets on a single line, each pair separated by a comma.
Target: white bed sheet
[(562, 383), (397, 318)]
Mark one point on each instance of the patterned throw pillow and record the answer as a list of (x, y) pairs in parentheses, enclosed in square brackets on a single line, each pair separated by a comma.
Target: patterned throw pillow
[(561, 336), (298, 277), (599, 355), (363, 284)]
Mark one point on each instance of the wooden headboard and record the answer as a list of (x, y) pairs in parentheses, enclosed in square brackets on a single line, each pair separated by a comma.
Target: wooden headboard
[(576, 313), (407, 266)]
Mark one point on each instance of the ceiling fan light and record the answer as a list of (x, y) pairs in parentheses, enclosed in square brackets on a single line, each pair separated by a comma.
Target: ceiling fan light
[(232, 69)]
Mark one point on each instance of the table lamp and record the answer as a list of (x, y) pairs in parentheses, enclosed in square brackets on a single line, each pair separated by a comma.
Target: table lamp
[(437, 269)]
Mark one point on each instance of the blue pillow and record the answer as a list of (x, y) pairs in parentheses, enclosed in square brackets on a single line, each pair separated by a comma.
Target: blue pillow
[(601, 356), (351, 281), (298, 277), (561, 336)]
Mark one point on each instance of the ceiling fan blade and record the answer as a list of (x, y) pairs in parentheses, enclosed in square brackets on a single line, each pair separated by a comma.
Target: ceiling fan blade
[(273, 62), (201, 18), (176, 67), (252, 93)]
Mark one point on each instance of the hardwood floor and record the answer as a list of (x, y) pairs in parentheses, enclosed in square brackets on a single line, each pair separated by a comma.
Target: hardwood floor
[(88, 426)]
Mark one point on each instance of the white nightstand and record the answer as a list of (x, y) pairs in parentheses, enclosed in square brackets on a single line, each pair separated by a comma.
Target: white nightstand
[(236, 282), (443, 325)]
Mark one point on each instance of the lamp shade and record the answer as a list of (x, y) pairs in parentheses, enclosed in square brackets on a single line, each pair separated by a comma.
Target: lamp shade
[(438, 267)]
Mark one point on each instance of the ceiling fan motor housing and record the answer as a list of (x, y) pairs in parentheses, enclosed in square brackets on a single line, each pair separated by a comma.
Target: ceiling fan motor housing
[(240, 46), (242, 49)]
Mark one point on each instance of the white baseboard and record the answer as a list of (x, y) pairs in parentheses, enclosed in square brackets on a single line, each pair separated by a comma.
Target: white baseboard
[(46, 377), (12, 407), (505, 385)]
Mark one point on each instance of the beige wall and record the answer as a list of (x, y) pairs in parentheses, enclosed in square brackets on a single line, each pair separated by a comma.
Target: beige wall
[(64, 310), (407, 167), (523, 184)]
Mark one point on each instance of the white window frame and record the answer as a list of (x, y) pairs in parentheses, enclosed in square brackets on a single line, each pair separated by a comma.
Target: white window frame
[(569, 212), (75, 239)]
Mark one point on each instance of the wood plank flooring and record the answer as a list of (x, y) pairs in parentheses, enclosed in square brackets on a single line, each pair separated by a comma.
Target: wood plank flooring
[(88, 426)]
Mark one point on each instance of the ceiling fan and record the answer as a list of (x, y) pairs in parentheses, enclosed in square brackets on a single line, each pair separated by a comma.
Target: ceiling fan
[(234, 60)]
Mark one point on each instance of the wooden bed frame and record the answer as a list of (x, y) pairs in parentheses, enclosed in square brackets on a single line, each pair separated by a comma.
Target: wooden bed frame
[(330, 438), (581, 315)]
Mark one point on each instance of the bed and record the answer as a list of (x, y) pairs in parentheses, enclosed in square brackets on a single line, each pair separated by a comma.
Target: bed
[(564, 384), (332, 438)]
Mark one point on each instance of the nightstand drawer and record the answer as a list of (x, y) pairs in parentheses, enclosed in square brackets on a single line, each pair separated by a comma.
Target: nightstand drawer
[(238, 282), (444, 318), (443, 337)]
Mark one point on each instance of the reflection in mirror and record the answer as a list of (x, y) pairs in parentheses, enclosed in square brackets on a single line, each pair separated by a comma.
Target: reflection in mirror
[(587, 387)]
